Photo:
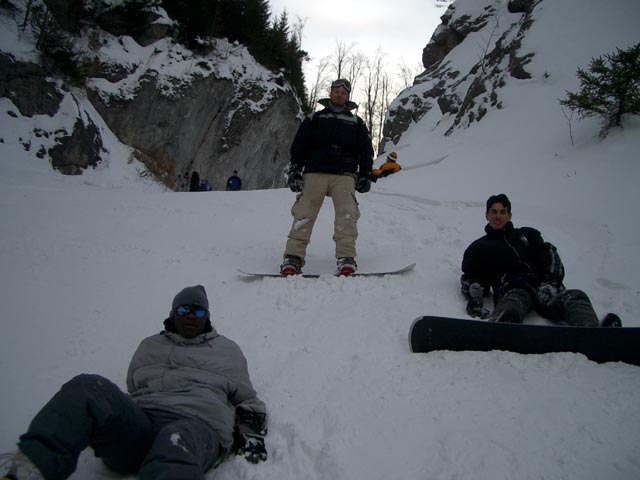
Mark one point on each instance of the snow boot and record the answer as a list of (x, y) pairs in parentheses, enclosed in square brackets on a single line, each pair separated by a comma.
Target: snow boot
[(21, 468), (347, 266), (611, 320), (292, 265)]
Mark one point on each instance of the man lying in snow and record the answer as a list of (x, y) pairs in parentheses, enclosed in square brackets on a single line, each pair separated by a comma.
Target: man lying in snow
[(188, 388)]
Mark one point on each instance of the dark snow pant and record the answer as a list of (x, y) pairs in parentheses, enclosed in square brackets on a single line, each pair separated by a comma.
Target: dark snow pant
[(570, 307), (89, 410)]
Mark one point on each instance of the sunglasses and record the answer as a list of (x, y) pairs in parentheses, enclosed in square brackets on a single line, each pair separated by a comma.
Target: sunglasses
[(341, 83), (183, 310)]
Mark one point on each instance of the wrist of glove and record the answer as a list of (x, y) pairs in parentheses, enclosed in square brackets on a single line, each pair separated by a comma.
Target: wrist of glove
[(295, 182), (251, 447), (546, 294), (475, 309), (251, 423), (363, 184)]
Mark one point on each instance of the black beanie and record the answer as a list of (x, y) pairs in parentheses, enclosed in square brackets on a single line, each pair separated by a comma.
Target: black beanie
[(195, 295)]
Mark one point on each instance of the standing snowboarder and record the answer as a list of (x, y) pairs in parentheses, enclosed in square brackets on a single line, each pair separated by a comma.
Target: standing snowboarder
[(331, 156), (524, 272), (187, 386)]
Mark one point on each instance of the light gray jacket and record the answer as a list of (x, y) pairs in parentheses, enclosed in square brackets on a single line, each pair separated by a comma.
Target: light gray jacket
[(204, 377)]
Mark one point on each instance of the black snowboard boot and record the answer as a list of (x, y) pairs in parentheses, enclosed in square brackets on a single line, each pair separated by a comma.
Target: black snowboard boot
[(346, 266), (611, 320), (291, 265)]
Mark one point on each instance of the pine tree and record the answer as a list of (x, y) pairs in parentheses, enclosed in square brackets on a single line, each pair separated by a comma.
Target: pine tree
[(610, 88)]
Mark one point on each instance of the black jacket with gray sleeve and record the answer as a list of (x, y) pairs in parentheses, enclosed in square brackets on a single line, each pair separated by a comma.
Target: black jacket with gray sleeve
[(511, 258), (330, 141)]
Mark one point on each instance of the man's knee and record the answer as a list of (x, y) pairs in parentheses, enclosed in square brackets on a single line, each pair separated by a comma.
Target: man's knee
[(512, 307), (184, 449), (577, 309)]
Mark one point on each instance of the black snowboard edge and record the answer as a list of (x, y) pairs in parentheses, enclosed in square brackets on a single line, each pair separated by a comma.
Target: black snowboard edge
[(430, 333)]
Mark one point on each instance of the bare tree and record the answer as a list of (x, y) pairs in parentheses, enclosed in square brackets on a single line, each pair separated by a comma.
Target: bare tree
[(27, 13), (341, 59), (407, 73), (387, 93), (488, 43), (355, 65), (371, 89), (320, 84)]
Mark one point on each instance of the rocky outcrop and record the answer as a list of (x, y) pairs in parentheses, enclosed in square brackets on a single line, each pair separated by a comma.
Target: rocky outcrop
[(77, 151), (209, 128), (74, 144), (457, 92), (212, 111)]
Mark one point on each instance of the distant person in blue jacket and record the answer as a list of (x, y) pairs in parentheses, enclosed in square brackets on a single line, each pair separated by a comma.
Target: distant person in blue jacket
[(233, 182), (206, 186), (523, 272)]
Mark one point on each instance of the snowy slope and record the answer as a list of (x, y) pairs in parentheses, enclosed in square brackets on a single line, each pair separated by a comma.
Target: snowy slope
[(90, 265)]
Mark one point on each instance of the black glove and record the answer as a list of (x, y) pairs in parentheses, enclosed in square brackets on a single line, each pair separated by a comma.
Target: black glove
[(363, 185), (253, 423), (476, 309), (251, 447), (295, 181)]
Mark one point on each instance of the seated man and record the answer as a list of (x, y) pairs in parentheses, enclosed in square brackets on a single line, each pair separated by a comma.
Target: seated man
[(389, 167), (188, 386), (524, 272)]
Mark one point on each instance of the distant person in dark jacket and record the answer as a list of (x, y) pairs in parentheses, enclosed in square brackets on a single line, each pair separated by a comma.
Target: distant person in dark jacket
[(194, 185), (188, 386), (233, 182), (206, 186), (523, 272), (331, 156)]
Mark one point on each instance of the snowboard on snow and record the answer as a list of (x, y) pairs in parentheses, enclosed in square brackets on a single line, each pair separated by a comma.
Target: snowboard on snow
[(600, 344), (317, 275)]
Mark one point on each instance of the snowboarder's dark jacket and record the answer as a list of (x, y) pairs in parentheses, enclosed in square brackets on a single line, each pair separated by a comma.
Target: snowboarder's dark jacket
[(333, 142), (511, 258)]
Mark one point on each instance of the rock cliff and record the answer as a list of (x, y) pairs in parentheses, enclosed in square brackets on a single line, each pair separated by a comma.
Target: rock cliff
[(212, 111), (459, 89)]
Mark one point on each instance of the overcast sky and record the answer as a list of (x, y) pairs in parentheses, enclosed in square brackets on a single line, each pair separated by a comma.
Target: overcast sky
[(401, 28)]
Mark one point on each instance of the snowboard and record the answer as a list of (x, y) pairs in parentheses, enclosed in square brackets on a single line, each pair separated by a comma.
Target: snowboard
[(600, 344), (314, 275)]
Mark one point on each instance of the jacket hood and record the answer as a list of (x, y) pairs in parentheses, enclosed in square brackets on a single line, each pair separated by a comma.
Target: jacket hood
[(197, 340)]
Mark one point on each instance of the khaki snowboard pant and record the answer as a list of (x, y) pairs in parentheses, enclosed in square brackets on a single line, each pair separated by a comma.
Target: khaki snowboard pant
[(317, 186)]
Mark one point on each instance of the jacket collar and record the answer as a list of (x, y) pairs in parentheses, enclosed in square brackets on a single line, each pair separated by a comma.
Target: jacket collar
[(491, 233), (198, 340), (326, 103)]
